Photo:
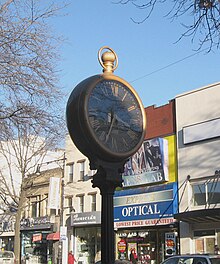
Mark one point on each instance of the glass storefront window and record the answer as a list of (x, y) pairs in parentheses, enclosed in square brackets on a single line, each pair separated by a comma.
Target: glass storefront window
[(205, 241), (151, 246), (34, 251), (88, 244)]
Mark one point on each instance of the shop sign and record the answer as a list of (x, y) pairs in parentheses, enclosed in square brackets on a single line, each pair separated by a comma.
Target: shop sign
[(148, 222), (63, 233), (7, 226), (143, 211), (37, 237), (85, 218), (133, 234), (35, 222), (122, 246), (145, 206)]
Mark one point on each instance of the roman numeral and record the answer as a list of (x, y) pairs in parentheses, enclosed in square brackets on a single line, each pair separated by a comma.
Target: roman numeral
[(132, 134), (105, 91), (102, 136), (124, 142), (131, 108), (124, 96), (115, 90), (95, 124), (114, 144)]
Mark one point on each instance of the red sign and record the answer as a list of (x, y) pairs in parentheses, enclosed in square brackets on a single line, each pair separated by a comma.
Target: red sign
[(122, 246), (37, 237)]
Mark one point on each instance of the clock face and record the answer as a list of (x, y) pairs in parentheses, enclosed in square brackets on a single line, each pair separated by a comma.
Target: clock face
[(115, 117)]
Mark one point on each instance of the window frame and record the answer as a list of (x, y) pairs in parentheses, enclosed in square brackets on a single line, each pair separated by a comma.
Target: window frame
[(35, 205), (71, 172), (209, 185), (82, 165), (81, 199), (93, 197), (69, 203)]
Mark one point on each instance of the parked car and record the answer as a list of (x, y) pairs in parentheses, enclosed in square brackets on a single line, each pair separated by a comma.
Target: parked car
[(7, 257), (193, 259), (117, 261)]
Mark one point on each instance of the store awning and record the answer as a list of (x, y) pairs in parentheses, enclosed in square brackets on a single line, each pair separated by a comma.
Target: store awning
[(54, 236), (199, 216)]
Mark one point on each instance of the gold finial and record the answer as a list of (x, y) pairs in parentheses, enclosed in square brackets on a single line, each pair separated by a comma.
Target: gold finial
[(108, 60)]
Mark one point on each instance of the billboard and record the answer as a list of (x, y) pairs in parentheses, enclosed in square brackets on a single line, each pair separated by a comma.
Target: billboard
[(149, 164)]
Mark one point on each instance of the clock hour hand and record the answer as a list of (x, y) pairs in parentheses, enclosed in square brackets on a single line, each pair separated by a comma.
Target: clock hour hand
[(121, 121)]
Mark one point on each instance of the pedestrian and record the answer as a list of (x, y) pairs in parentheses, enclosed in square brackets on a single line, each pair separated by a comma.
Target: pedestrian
[(216, 250), (71, 258)]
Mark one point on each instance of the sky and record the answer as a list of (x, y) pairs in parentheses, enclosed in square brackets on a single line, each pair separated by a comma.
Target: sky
[(144, 50)]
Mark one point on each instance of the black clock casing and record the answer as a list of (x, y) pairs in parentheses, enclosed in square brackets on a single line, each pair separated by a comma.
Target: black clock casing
[(106, 118)]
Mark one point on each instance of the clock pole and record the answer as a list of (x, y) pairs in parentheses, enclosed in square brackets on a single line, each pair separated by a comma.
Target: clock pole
[(106, 121), (107, 178)]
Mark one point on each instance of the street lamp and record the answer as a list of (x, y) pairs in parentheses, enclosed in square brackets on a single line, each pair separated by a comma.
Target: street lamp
[(106, 121)]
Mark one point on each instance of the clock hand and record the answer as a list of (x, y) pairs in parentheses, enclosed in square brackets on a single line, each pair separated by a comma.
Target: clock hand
[(110, 129), (121, 121)]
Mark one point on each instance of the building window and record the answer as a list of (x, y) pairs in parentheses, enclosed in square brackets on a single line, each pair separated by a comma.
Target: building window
[(45, 202), (70, 204), (35, 206), (206, 192), (93, 202), (81, 170), (71, 168), (81, 203)]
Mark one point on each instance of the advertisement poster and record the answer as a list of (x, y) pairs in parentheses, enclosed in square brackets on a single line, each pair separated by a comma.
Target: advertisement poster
[(132, 246), (148, 165), (170, 244), (37, 237), (122, 249)]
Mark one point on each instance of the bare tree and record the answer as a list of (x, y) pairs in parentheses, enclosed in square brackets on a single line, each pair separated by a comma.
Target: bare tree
[(30, 98), (204, 26), (29, 89), (19, 159)]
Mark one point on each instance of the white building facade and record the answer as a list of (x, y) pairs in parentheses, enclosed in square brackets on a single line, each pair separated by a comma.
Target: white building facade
[(82, 207), (13, 155), (198, 139)]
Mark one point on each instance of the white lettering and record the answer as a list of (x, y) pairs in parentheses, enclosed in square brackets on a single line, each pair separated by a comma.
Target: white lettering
[(140, 210), (157, 177)]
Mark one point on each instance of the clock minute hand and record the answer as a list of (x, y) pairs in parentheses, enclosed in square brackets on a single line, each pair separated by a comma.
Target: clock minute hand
[(110, 129)]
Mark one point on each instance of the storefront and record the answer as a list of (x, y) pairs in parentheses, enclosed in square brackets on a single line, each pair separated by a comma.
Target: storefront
[(144, 223), (34, 244), (204, 234), (6, 242), (151, 245), (7, 233), (87, 236)]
